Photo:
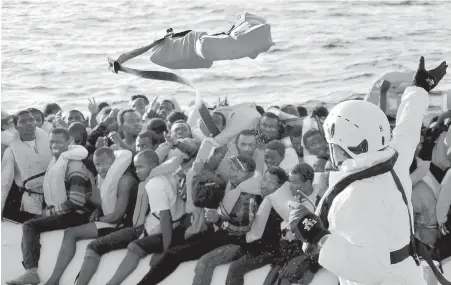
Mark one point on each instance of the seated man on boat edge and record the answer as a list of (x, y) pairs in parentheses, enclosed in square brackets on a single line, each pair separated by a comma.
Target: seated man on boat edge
[(67, 188), (116, 184)]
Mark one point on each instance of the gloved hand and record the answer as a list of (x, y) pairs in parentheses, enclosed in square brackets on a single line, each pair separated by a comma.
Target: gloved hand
[(429, 79), (306, 226)]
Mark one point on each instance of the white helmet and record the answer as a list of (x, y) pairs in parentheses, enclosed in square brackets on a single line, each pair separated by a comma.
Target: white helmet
[(357, 127)]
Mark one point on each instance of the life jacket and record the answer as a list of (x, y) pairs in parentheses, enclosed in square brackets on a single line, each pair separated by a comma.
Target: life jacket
[(32, 163), (108, 186), (250, 36), (178, 51), (425, 191), (415, 248), (279, 201)]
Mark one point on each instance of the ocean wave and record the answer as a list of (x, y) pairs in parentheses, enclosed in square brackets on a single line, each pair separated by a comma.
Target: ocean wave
[(359, 76), (378, 38), (401, 3)]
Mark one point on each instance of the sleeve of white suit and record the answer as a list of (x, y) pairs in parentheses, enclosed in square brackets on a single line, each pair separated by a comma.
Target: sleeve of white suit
[(7, 174), (409, 118), (359, 252)]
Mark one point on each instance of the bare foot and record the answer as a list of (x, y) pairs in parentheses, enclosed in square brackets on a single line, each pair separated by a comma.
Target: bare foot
[(28, 278)]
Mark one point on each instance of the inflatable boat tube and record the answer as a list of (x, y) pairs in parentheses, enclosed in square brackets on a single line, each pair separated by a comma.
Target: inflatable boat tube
[(249, 37), (51, 241), (179, 52), (399, 81)]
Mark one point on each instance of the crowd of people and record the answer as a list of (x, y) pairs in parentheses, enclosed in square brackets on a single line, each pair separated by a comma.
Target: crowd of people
[(150, 179)]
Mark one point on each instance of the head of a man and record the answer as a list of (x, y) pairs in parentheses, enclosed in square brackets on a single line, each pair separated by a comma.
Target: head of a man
[(130, 122), (159, 126), (103, 159), (246, 142), (139, 103), (269, 127), (180, 130), (315, 142), (274, 153), (59, 141), (301, 179), (175, 116), (166, 107), (51, 109), (78, 133), (147, 140), (241, 168), (144, 162), (75, 116), (25, 124), (273, 179)]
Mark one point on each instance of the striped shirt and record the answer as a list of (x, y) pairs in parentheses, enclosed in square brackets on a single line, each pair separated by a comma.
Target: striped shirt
[(78, 188)]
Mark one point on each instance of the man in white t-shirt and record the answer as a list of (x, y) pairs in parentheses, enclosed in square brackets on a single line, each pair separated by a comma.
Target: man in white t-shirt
[(164, 226)]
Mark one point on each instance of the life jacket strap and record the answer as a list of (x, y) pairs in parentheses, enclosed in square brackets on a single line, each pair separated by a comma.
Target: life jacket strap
[(25, 189)]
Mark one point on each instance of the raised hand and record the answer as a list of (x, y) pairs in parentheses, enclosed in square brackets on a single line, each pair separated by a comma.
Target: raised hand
[(115, 137), (429, 79), (92, 106), (112, 116), (58, 121)]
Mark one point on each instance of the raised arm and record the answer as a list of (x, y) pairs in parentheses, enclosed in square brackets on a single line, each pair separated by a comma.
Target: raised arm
[(414, 105)]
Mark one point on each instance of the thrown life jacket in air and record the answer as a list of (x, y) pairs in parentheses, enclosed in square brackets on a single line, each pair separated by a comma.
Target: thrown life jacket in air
[(250, 36), (178, 51)]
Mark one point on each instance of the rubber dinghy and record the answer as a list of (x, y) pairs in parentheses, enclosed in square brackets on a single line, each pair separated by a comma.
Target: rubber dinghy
[(51, 241)]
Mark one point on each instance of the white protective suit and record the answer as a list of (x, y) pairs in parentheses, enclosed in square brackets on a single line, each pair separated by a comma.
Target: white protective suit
[(369, 218)]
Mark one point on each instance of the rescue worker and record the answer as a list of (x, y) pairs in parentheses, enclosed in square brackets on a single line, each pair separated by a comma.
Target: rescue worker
[(361, 227)]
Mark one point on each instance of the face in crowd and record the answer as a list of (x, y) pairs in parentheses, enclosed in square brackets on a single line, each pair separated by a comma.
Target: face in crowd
[(139, 105), (59, 142), (270, 184), (315, 143), (78, 133), (299, 184), (272, 157), (180, 130), (147, 140), (26, 125), (269, 128), (166, 107), (246, 145), (75, 116), (103, 159), (144, 162), (132, 124)]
